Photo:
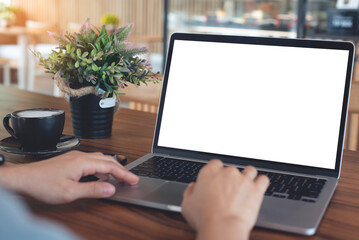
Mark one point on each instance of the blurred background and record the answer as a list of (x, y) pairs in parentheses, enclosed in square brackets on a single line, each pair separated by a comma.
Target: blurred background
[(23, 25)]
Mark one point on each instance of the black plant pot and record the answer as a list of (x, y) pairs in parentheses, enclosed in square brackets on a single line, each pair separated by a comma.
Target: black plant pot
[(89, 120)]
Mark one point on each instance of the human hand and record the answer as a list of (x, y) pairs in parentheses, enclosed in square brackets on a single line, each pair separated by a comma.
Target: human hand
[(56, 180), (224, 203)]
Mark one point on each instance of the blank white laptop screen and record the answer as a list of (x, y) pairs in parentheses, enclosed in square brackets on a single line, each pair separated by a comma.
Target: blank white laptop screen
[(273, 103)]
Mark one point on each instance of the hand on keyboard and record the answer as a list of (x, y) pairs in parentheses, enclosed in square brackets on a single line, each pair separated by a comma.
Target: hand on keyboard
[(224, 203)]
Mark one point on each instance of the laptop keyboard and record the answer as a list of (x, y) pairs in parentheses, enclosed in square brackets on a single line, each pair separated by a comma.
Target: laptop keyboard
[(281, 185)]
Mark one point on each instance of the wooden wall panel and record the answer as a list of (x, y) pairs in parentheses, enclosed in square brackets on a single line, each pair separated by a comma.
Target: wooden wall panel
[(90, 9), (147, 15), (68, 12)]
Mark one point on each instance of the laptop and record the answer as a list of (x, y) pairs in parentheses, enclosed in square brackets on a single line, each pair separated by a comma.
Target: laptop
[(277, 104)]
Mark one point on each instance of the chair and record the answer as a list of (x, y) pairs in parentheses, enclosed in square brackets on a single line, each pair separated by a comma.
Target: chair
[(9, 57), (142, 98), (5, 64), (35, 70)]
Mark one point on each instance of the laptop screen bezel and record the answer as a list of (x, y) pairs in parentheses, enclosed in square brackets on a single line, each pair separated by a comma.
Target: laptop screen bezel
[(250, 161)]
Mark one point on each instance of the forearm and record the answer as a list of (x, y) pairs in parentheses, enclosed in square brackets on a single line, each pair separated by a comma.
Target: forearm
[(11, 177), (226, 230)]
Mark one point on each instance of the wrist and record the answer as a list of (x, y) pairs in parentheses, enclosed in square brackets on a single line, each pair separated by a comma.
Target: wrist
[(11, 177), (228, 228)]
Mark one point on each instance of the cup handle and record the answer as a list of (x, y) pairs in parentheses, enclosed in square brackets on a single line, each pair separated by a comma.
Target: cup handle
[(7, 126)]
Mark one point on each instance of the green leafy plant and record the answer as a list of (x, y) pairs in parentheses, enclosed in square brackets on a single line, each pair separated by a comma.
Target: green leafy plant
[(93, 57), (7, 12), (110, 18)]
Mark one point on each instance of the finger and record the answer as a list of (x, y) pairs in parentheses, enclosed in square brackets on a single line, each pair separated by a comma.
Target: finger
[(106, 167), (188, 190), (250, 172), (231, 170), (101, 156), (209, 169), (102, 176), (213, 165), (90, 190), (262, 183)]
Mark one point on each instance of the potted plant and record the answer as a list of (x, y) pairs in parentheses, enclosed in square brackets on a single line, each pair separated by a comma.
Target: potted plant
[(7, 15), (110, 20), (91, 67)]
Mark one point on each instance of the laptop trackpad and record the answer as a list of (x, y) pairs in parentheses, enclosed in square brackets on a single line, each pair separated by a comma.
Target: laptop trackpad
[(170, 193), (144, 187)]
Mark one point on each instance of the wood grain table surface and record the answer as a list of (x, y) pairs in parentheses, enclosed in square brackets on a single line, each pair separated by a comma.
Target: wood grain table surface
[(132, 136)]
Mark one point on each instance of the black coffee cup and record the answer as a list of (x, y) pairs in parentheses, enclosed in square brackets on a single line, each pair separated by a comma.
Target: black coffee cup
[(36, 129)]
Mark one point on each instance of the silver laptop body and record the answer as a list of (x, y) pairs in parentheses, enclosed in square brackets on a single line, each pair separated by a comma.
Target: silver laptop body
[(277, 104)]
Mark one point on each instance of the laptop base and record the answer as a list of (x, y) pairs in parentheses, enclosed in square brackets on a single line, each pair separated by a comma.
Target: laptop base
[(279, 214)]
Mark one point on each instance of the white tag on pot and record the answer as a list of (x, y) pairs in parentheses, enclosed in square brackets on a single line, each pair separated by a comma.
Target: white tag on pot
[(100, 91), (107, 102)]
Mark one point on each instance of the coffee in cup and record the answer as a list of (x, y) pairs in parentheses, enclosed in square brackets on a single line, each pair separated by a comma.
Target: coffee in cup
[(36, 129)]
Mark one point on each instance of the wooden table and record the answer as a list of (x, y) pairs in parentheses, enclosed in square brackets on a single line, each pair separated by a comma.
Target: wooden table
[(132, 137)]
